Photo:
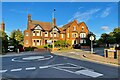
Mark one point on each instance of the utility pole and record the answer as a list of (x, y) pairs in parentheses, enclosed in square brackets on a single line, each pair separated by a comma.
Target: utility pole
[(53, 24)]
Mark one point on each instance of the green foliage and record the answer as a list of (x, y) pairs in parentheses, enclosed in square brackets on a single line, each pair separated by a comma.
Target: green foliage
[(4, 38), (63, 43), (111, 38), (40, 47), (88, 42), (29, 48), (18, 36)]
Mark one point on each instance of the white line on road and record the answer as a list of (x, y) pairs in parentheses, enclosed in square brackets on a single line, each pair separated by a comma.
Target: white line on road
[(81, 66), (89, 73), (2, 71), (19, 69), (42, 67), (64, 70), (30, 68)]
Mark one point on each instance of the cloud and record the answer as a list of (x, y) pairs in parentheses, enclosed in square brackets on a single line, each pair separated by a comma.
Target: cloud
[(18, 11), (84, 16), (80, 8), (106, 12), (60, 25), (105, 28)]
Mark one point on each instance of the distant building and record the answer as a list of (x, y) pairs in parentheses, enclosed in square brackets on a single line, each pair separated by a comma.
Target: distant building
[(40, 33), (2, 28)]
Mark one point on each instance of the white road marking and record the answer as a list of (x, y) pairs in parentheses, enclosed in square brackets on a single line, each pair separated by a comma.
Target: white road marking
[(64, 70), (30, 68), (19, 69), (81, 66), (38, 58), (69, 67), (33, 57), (89, 73), (2, 71), (42, 67)]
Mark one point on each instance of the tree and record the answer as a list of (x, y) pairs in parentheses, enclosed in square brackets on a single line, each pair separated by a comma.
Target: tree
[(4, 38), (88, 42), (17, 36), (111, 38)]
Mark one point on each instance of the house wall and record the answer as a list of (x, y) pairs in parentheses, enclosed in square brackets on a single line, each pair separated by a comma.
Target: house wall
[(66, 35)]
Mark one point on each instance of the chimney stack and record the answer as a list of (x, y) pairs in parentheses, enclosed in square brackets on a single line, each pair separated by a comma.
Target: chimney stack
[(54, 21), (3, 26), (29, 17)]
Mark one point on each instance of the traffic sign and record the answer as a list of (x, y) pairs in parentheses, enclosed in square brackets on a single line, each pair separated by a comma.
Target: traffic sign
[(92, 38)]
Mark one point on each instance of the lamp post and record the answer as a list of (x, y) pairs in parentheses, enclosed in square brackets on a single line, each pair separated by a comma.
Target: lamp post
[(91, 38), (53, 24)]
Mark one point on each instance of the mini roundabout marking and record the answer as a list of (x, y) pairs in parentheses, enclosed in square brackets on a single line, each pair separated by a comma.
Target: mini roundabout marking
[(32, 58)]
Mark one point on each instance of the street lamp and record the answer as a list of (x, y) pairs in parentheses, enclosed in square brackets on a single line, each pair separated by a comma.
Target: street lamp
[(53, 24), (91, 38)]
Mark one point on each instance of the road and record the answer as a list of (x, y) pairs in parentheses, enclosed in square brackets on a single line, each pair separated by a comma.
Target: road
[(53, 66)]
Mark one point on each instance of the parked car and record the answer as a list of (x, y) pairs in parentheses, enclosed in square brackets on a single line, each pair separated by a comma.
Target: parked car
[(11, 48), (76, 46)]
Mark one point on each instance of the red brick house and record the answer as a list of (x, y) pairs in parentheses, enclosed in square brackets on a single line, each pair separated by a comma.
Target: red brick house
[(40, 33), (76, 32)]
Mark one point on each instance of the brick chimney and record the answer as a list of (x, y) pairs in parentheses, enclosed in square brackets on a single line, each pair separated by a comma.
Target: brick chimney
[(76, 21), (29, 20), (3, 26), (54, 21)]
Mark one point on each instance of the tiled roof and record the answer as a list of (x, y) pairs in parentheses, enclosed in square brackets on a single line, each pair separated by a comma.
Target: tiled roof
[(44, 25), (61, 30), (67, 25)]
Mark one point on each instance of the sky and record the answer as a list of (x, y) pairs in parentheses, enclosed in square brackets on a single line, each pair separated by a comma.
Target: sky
[(100, 17)]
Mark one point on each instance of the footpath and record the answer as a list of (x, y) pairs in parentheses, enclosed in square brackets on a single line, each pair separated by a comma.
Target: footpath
[(86, 55)]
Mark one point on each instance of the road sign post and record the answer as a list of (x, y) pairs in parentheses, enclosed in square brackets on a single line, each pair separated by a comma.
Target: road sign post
[(91, 38)]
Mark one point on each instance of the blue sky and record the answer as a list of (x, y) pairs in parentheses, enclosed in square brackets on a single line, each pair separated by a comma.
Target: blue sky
[(100, 17)]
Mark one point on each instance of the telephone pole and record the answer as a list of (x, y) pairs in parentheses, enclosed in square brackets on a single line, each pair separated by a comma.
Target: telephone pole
[(53, 25)]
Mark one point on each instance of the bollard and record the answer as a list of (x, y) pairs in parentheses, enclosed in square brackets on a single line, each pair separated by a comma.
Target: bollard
[(18, 51)]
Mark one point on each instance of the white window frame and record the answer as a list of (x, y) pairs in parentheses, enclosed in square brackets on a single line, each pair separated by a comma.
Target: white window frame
[(61, 35), (55, 34), (38, 33), (82, 35), (82, 28), (26, 33), (68, 35), (26, 41), (74, 28), (38, 43), (33, 33), (46, 35)]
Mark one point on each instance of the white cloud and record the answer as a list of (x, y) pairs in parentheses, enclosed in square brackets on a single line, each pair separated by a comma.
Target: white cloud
[(60, 25), (18, 11), (106, 12), (105, 28), (85, 16), (80, 8)]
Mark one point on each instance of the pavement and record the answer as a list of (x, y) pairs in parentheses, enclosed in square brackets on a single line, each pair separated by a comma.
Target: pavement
[(55, 65), (86, 55)]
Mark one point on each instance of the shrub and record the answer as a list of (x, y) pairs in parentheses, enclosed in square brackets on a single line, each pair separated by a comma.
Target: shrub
[(29, 48)]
